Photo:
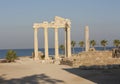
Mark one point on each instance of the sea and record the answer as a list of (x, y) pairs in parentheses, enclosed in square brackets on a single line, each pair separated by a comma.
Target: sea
[(28, 52)]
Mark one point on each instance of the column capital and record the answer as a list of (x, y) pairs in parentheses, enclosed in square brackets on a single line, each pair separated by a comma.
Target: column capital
[(35, 28), (56, 27), (45, 27)]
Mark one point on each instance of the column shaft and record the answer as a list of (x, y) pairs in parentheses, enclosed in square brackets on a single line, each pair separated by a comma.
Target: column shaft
[(36, 44), (46, 43), (68, 43), (87, 39), (56, 44), (65, 52)]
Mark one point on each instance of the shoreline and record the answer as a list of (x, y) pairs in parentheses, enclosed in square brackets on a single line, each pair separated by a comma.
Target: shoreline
[(28, 52)]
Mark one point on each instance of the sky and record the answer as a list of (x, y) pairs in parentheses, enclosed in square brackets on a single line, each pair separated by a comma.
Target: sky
[(18, 16)]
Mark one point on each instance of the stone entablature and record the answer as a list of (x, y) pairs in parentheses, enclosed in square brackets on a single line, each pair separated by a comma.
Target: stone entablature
[(57, 23)]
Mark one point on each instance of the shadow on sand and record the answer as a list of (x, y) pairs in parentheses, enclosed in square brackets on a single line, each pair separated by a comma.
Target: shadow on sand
[(109, 76), (34, 79)]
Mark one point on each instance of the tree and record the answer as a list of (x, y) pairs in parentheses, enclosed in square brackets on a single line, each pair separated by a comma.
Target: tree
[(104, 43), (92, 43), (11, 56), (81, 44), (116, 42), (62, 47), (73, 43)]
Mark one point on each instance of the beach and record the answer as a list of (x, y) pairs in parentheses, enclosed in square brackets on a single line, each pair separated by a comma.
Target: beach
[(27, 71)]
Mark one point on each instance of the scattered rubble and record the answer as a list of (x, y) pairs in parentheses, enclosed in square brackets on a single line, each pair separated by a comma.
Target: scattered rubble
[(93, 60)]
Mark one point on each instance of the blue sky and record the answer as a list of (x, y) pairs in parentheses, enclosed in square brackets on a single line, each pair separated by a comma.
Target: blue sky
[(18, 16)]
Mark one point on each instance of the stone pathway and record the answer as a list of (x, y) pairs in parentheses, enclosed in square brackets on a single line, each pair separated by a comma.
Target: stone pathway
[(31, 72)]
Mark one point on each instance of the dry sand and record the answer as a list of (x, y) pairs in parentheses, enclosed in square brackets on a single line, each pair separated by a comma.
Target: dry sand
[(27, 71)]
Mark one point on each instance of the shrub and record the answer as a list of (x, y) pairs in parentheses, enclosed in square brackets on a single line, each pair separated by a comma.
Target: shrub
[(11, 56)]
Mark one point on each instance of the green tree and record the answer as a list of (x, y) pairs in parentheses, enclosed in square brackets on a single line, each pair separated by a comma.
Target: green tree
[(81, 44), (104, 43), (62, 47), (73, 43), (116, 42), (92, 43), (11, 56)]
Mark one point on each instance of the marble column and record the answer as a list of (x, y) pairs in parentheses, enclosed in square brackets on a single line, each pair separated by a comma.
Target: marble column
[(68, 42), (36, 44), (56, 44), (87, 45), (65, 45), (46, 43)]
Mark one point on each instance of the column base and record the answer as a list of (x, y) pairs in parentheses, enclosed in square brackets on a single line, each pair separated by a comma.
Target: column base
[(56, 58), (47, 58), (36, 58), (69, 56)]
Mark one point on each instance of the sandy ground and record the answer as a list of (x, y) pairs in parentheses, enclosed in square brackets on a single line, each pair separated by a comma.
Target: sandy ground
[(27, 71)]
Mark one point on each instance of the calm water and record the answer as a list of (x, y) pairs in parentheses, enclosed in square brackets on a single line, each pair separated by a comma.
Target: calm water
[(28, 52)]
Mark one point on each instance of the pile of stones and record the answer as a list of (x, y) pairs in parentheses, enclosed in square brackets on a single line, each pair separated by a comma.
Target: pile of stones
[(93, 60)]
